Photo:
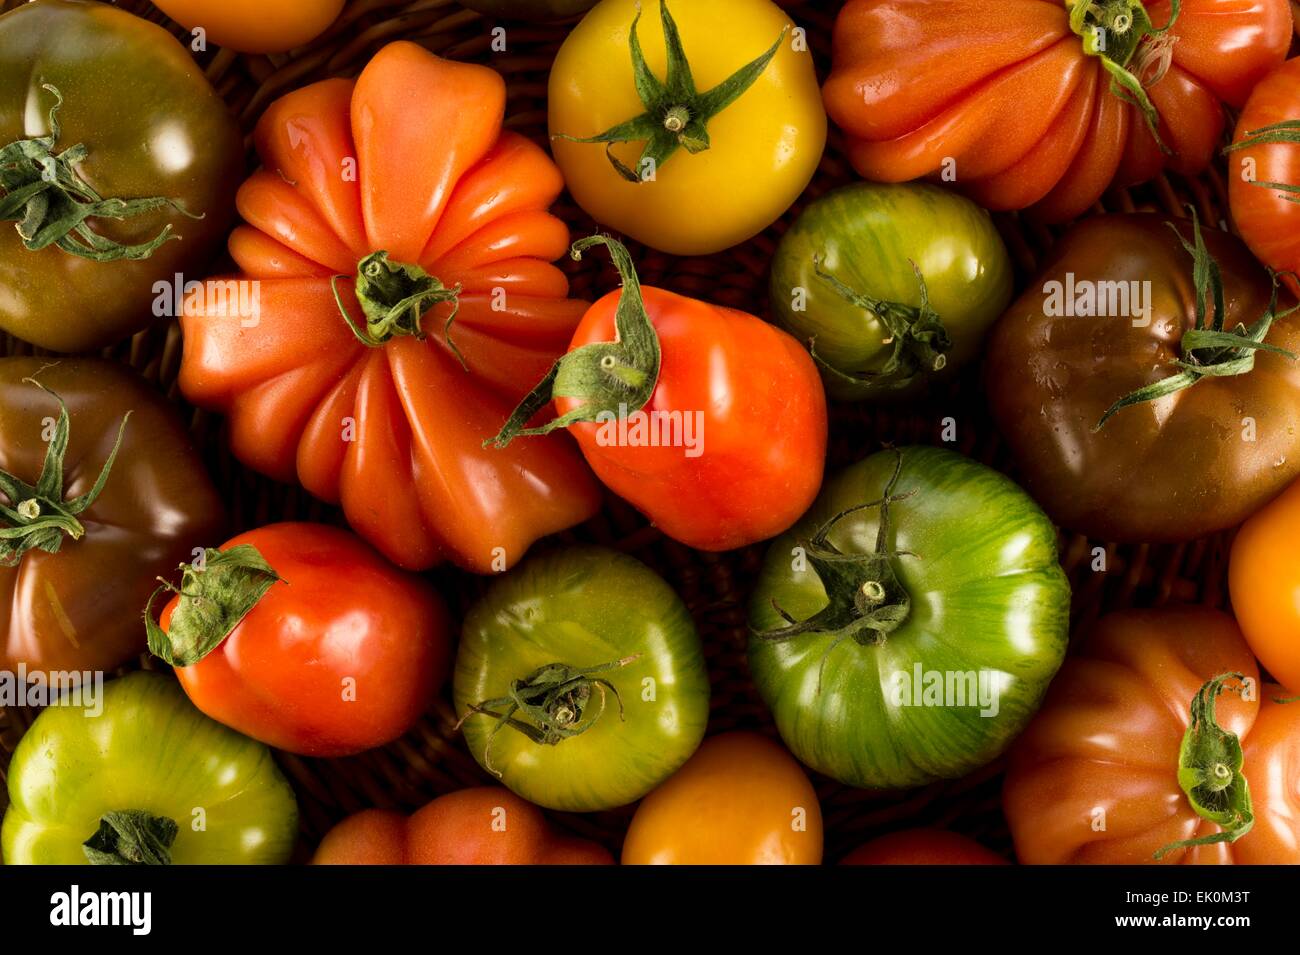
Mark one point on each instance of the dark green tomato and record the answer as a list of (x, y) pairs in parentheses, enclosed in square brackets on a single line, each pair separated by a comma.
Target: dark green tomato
[(534, 11), (152, 126), (142, 747), (965, 584), (866, 237), (585, 610)]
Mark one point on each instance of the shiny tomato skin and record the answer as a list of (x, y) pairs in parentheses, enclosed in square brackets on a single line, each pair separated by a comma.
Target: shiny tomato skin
[(79, 609), (1094, 778), (1267, 219), (1264, 579), (763, 424), (483, 826), (252, 26), (153, 126), (923, 847), (342, 655), (394, 431), (1174, 469), (1020, 114), (740, 800)]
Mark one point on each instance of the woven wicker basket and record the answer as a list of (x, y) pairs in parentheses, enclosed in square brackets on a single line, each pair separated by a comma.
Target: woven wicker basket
[(430, 759)]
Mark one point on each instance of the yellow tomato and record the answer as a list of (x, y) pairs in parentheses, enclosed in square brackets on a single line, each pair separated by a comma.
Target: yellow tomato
[(763, 147), (254, 26), (740, 800)]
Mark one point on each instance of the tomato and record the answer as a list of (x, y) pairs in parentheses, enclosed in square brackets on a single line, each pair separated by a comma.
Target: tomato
[(1264, 180), (854, 275), (76, 564), (580, 680), (741, 800), (1102, 774), (922, 847), (138, 775), (1264, 578), (150, 197), (1018, 105), (301, 636), (253, 26), (540, 11), (1210, 448), (701, 151), (370, 406), (906, 628), (710, 421), (484, 826)]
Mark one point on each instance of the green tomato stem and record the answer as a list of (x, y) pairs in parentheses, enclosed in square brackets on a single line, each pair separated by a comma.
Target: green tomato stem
[(131, 837)]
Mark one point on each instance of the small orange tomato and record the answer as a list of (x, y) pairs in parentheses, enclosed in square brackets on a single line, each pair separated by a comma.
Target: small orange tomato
[(923, 847), (484, 826), (740, 800), (254, 26), (1264, 579)]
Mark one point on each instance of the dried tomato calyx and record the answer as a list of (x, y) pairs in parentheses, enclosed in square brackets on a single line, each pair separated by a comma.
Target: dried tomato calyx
[(866, 600), (1209, 770), (131, 837), (554, 702), (1133, 50), (39, 517), (394, 298)]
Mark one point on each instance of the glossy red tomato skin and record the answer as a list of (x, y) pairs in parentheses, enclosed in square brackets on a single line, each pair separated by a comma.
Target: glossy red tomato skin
[(1269, 222), (483, 826), (923, 847), (1021, 114), (763, 424), (340, 656)]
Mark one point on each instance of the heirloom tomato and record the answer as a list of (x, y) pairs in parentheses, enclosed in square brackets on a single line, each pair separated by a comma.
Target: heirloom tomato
[(580, 680), (906, 628), (922, 847), (1158, 742), (689, 131), (1138, 381), (138, 776), (1044, 103), (1264, 171), (484, 826), (118, 168), (100, 492), (890, 286), (710, 421), (301, 636), (1264, 578), (397, 297), (254, 26), (740, 800)]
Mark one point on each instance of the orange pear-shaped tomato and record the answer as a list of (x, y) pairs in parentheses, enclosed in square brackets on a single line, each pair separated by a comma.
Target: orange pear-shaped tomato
[(397, 298)]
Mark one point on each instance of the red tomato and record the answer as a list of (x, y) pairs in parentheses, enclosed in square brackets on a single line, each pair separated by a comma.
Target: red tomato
[(731, 412), (485, 826), (1268, 216), (1004, 98), (342, 654), (923, 847)]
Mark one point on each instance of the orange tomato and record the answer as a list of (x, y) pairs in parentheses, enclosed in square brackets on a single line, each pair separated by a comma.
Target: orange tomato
[(1096, 777), (1264, 579), (484, 826), (923, 847), (372, 408), (740, 800), (254, 26)]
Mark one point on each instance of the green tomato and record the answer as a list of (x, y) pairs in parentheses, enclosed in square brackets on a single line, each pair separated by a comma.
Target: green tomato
[(923, 656), (843, 282), (534, 11), (148, 758), (580, 680)]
